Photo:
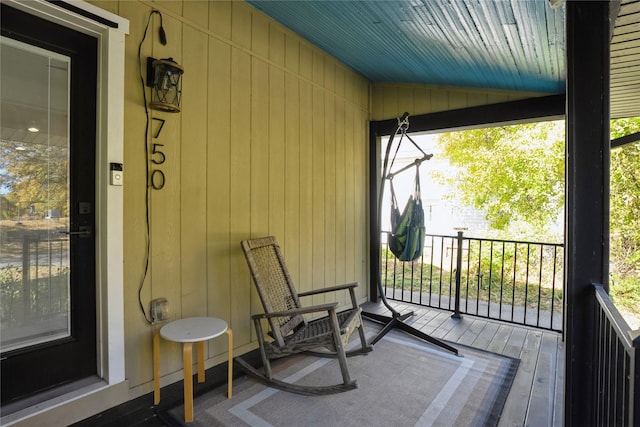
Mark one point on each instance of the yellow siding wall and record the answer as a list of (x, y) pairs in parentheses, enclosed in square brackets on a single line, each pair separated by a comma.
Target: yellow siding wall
[(272, 139), (392, 100)]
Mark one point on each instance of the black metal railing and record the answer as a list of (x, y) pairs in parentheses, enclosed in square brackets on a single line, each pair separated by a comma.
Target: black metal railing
[(513, 281), (616, 402), (34, 276)]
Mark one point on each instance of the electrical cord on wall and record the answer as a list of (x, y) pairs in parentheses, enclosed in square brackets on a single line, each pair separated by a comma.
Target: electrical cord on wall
[(163, 40)]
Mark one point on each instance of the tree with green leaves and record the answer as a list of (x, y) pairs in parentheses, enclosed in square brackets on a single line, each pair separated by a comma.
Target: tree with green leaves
[(625, 216), (513, 173), (34, 178)]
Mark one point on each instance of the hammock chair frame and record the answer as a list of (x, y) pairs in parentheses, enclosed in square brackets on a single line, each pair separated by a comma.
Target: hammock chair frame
[(396, 320)]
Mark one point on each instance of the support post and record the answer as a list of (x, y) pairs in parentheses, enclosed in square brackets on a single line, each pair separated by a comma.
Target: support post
[(587, 197), (456, 308)]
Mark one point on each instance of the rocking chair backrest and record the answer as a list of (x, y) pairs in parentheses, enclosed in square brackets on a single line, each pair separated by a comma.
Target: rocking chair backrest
[(274, 285)]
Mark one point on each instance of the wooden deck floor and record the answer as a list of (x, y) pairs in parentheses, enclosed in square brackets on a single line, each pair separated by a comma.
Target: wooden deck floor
[(536, 395)]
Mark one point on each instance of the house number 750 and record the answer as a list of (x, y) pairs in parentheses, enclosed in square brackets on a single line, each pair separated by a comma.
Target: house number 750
[(157, 176)]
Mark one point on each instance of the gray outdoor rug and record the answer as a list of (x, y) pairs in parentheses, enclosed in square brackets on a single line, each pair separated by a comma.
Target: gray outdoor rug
[(403, 382)]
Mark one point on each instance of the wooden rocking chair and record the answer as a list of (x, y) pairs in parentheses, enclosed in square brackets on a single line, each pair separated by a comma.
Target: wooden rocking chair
[(290, 331)]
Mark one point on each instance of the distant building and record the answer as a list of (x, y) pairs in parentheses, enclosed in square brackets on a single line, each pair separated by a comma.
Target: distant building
[(443, 213)]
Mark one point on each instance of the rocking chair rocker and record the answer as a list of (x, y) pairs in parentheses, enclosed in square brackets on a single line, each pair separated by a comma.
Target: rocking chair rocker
[(290, 331)]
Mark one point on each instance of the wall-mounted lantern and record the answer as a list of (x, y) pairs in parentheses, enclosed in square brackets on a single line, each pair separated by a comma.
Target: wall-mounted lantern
[(164, 77)]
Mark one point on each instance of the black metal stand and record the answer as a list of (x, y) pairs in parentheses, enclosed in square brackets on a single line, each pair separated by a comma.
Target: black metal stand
[(397, 320)]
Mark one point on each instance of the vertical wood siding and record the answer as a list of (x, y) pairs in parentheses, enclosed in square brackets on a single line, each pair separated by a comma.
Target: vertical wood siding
[(271, 139), (392, 100)]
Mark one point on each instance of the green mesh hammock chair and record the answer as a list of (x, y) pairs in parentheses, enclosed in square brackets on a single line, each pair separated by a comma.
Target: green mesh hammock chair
[(407, 229)]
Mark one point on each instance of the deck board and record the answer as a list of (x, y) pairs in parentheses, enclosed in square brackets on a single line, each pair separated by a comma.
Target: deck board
[(436, 325), (543, 390), (517, 405), (483, 337), (558, 416), (461, 326), (499, 341)]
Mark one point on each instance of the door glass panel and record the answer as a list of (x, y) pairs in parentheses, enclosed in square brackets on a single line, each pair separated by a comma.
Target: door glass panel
[(34, 195)]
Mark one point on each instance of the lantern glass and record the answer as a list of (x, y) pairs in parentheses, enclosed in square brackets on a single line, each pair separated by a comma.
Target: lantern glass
[(166, 90)]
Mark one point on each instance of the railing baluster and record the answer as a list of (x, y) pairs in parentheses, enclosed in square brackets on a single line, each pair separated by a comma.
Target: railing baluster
[(384, 259), (49, 294), (540, 285), (395, 268), (479, 273), (513, 285), (403, 265), (466, 297), (605, 372), (620, 384), (634, 379), (456, 312), (63, 298), (553, 286), (421, 277), (431, 269), (26, 279), (36, 273), (490, 279), (501, 283), (451, 277), (610, 372), (526, 283), (411, 282), (599, 376), (441, 270)]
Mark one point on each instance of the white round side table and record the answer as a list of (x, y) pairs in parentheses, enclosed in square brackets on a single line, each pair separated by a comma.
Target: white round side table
[(188, 331)]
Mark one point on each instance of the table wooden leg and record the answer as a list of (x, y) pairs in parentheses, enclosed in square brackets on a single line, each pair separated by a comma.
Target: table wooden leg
[(230, 379), (187, 355), (201, 362), (156, 367)]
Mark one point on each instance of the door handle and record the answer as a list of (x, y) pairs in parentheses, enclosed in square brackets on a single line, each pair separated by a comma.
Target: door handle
[(84, 231)]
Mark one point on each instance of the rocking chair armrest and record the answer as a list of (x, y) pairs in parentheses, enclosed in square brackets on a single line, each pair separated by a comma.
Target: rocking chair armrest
[(330, 289), (295, 311)]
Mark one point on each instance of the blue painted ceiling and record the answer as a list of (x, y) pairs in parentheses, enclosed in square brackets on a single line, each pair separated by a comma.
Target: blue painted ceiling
[(498, 44)]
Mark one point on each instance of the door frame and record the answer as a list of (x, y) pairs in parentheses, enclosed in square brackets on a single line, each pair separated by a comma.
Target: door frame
[(110, 31)]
